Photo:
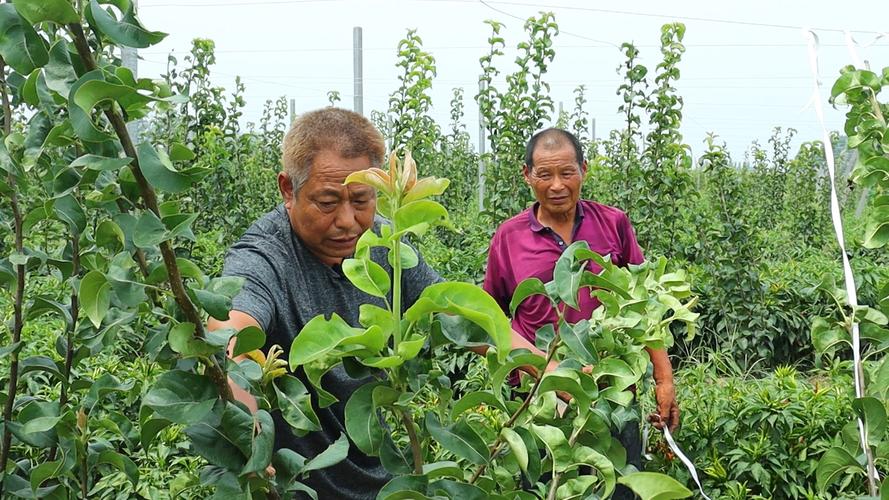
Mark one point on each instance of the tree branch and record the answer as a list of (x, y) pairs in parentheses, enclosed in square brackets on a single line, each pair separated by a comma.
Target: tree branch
[(149, 197)]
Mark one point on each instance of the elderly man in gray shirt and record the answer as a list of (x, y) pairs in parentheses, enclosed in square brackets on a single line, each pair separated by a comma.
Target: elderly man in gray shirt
[(290, 260)]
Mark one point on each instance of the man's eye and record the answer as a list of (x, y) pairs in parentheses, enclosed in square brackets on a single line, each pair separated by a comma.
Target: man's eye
[(327, 205)]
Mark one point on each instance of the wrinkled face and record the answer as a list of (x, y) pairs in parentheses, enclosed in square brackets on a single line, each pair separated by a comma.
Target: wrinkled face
[(556, 179), (326, 215)]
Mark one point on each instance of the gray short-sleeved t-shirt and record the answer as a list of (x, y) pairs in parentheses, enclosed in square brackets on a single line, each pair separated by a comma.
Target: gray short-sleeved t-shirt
[(285, 286)]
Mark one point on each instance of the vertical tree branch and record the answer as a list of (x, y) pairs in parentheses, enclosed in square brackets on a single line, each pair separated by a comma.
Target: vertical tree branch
[(74, 309), (150, 199), (19, 289), (415, 441), (497, 445)]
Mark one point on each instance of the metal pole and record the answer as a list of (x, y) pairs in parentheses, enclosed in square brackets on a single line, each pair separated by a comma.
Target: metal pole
[(129, 58), (593, 129), (292, 111), (481, 151), (357, 70)]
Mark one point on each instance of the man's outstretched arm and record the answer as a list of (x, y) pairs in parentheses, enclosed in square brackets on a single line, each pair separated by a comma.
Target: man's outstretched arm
[(664, 390), (237, 320)]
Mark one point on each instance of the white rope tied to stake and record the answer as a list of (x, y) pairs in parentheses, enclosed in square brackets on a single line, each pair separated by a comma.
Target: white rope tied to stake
[(676, 451), (851, 294), (685, 460)]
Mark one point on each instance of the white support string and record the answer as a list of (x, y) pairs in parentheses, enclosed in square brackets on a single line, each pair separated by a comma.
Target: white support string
[(685, 460), (851, 294)]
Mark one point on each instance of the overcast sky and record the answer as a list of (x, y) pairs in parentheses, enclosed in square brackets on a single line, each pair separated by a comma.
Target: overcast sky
[(746, 68)]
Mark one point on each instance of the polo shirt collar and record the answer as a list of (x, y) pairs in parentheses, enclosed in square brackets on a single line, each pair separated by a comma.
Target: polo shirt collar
[(537, 227)]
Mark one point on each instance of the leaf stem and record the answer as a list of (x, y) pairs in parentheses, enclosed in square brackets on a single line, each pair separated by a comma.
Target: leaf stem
[(416, 451)]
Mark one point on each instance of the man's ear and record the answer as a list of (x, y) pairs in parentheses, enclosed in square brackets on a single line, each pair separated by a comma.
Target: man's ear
[(285, 186), (583, 168), (526, 173)]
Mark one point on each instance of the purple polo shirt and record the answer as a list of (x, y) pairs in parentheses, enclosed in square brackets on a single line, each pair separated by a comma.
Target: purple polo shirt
[(522, 248)]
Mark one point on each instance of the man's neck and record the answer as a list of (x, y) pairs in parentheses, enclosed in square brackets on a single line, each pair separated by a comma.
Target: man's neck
[(556, 220)]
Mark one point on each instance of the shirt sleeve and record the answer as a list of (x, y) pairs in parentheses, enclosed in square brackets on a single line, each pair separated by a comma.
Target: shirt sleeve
[(631, 252), (495, 282), (247, 260)]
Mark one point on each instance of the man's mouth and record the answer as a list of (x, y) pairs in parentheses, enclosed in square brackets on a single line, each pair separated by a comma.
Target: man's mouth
[(344, 240)]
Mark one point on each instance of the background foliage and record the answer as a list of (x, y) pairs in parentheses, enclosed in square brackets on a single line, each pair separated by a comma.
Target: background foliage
[(88, 331)]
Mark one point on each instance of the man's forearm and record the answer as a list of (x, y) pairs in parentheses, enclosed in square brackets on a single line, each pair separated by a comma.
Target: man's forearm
[(660, 361), (519, 342), (241, 394)]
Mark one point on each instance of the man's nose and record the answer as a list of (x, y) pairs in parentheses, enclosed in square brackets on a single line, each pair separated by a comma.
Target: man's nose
[(345, 216)]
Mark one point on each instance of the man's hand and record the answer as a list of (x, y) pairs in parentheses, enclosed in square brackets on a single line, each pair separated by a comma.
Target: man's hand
[(667, 409)]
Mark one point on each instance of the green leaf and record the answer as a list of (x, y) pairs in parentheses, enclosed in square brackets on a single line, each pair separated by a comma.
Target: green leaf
[(362, 423), (40, 364), (40, 424), (160, 171), (127, 32), (183, 341), (826, 335), (180, 152), (404, 487), (150, 429), (654, 486), (418, 216), (227, 444), (873, 413), (21, 47), (182, 397), (68, 210), (367, 276), (584, 455), (410, 347), (517, 445), (319, 337), (527, 288), (577, 338), (468, 301), (248, 339), (459, 438), (110, 236), (445, 468), (216, 305), (556, 444), (295, 404), (38, 11), (95, 296), (473, 400), (150, 231), (833, 463), (566, 381), (334, 454), (60, 75), (262, 444), (314, 371), (44, 471), (105, 385), (121, 463), (101, 163), (80, 119), (457, 489), (425, 188)]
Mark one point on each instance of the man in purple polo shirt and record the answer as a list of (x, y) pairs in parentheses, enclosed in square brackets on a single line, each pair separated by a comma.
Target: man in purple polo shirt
[(529, 244)]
